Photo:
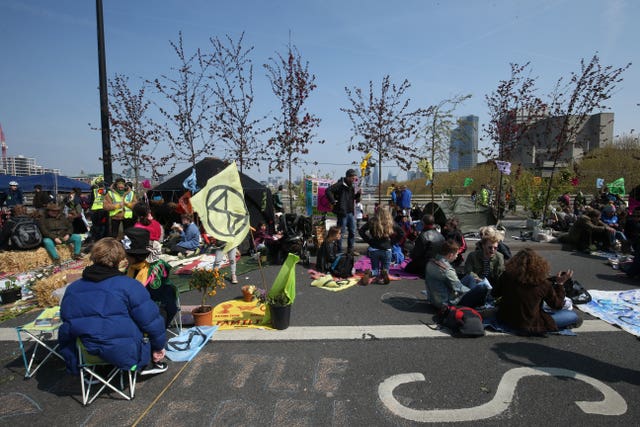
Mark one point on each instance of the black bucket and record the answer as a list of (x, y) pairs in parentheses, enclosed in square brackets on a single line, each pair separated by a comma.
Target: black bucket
[(280, 316)]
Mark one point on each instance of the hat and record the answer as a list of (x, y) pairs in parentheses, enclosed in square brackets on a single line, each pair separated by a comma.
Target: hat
[(53, 207), (37, 187), (351, 172), (13, 183), (135, 241)]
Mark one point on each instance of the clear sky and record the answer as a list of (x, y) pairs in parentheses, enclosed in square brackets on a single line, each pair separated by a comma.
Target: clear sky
[(49, 72)]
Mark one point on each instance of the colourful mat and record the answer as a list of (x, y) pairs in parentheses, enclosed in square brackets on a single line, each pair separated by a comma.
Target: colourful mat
[(620, 308), (396, 272), (232, 314)]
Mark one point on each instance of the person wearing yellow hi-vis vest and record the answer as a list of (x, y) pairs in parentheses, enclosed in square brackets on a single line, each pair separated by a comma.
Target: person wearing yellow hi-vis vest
[(119, 202)]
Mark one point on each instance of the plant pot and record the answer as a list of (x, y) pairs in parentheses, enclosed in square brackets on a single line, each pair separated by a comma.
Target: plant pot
[(280, 316), (247, 295), (203, 318), (10, 295)]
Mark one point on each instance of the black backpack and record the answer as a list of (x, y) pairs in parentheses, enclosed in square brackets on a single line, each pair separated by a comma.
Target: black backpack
[(342, 266), (463, 322), (25, 233)]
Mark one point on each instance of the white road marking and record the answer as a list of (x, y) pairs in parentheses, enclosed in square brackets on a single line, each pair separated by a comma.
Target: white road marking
[(314, 333), (612, 404)]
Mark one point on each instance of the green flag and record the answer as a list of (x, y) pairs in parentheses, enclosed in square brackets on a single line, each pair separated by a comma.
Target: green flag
[(285, 283), (468, 182), (617, 186)]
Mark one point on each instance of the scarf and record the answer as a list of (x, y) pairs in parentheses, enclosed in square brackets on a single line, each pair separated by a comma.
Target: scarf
[(139, 271)]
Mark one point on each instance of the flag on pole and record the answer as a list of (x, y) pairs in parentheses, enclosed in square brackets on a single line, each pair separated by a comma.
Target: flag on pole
[(191, 183), (617, 186), (599, 182), (503, 167), (468, 182), (222, 209)]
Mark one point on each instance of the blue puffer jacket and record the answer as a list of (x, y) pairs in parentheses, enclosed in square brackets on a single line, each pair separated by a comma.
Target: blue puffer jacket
[(110, 317)]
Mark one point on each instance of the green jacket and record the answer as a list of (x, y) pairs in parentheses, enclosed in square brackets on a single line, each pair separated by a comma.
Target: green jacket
[(473, 265)]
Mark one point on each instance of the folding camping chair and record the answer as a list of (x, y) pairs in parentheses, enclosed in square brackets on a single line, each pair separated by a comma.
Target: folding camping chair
[(44, 326), (176, 322), (89, 377)]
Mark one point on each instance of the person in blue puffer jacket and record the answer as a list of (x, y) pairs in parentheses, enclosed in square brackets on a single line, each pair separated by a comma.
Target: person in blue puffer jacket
[(113, 315)]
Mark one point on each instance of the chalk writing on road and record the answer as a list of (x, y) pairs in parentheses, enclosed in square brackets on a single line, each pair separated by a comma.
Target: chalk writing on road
[(612, 404)]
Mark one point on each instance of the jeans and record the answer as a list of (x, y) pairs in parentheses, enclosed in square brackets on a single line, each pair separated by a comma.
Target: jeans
[(347, 222), (564, 318), (476, 297), (380, 260), (50, 245)]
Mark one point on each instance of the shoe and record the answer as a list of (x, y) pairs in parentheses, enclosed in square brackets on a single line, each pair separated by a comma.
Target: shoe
[(354, 253), (77, 257), (234, 279), (366, 277), (155, 368), (385, 277)]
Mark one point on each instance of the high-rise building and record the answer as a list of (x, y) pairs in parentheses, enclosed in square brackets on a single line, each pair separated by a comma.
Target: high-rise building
[(537, 145), (24, 166), (463, 149)]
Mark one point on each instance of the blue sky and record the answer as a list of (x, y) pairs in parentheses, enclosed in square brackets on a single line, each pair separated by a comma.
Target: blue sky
[(49, 72)]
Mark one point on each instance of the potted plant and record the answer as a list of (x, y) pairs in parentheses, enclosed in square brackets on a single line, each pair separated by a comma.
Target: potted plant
[(248, 292), (206, 281), (11, 291), (280, 309)]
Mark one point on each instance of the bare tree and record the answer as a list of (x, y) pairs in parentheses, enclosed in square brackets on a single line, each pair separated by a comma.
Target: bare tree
[(383, 125), (189, 110), (438, 122), (292, 84), (513, 109), (572, 101), (233, 89), (134, 136)]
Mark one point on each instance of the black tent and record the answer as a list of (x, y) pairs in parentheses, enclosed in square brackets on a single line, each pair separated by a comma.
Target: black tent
[(257, 196)]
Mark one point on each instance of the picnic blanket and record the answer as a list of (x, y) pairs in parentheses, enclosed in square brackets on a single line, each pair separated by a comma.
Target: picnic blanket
[(620, 308), (396, 272), (188, 343)]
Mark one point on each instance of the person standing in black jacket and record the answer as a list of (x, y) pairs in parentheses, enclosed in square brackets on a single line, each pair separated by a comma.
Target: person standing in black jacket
[(343, 197)]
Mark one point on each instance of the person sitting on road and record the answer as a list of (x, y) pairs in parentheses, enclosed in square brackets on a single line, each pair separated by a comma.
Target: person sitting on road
[(451, 231), (485, 262), (426, 246), (588, 233), (265, 242), (445, 288), (188, 237), (522, 289), (112, 315), (329, 249), (380, 232)]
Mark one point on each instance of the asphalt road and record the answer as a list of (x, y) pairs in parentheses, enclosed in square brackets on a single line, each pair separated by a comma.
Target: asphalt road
[(363, 356)]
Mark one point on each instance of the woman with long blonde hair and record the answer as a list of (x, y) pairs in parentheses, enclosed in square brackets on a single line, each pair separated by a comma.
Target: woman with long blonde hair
[(380, 232)]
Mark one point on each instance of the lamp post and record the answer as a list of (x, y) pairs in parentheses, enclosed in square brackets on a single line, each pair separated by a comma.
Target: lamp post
[(104, 104)]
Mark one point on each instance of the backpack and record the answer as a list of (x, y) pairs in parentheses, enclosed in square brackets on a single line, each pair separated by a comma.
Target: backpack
[(342, 266), (463, 322), (25, 233), (574, 290)]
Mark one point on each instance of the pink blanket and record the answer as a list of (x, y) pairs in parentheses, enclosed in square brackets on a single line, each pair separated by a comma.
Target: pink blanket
[(396, 271)]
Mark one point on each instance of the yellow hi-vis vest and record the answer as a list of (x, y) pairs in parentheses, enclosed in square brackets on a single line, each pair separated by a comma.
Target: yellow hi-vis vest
[(98, 199), (117, 198)]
